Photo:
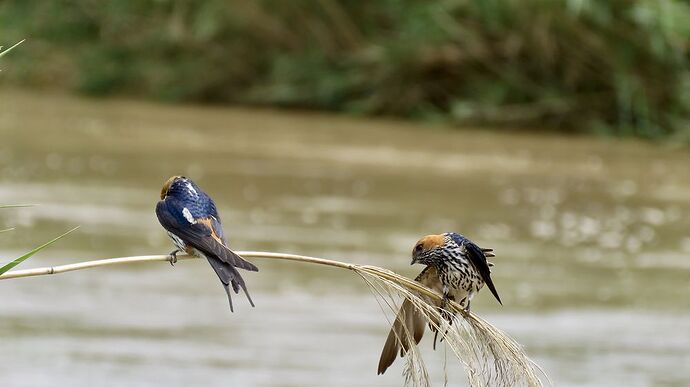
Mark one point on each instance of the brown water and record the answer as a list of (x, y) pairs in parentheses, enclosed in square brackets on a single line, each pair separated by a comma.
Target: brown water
[(591, 238)]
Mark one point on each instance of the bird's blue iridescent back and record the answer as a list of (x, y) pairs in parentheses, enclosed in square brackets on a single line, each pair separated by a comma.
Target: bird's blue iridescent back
[(458, 238), (190, 196)]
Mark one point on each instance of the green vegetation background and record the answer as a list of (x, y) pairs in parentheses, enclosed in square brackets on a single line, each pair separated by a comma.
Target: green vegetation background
[(617, 67)]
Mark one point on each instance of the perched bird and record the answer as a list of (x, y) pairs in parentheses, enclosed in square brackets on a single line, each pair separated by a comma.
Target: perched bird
[(191, 219), (456, 268)]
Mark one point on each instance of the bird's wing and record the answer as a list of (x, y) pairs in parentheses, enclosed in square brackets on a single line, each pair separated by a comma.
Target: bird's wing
[(217, 227), (202, 234), (489, 253), (219, 248), (409, 323), (209, 207), (477, 257)]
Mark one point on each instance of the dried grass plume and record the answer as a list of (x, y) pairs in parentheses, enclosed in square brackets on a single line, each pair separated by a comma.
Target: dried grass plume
[(488, 355)]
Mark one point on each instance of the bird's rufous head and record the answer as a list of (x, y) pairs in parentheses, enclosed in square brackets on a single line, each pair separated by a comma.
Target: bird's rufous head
[(168, 183), (426, 250)]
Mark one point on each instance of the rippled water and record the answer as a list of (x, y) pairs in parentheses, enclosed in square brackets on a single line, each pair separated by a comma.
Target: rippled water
[(591, 238)]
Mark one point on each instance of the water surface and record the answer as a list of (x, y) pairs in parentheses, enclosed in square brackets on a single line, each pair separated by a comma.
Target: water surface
[(590, 234)]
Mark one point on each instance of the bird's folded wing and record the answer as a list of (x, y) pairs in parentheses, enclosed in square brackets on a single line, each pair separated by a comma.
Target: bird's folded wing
[(477, 257), (200, 235)]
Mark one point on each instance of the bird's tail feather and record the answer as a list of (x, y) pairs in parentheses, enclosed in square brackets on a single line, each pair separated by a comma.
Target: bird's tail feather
[(238, 261), (409, 324), (227, 291), (229, 276)]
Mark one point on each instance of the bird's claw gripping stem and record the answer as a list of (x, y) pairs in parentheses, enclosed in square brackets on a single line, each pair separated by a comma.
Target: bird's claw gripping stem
[(173, 257), (444, 312)]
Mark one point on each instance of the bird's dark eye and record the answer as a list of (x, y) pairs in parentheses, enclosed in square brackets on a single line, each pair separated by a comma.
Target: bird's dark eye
[(418, 248)]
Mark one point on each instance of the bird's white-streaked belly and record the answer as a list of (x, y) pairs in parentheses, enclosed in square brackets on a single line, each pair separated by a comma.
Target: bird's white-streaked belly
[(463, 285)]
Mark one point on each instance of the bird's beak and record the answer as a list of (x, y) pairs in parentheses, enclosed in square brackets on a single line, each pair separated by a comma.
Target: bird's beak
[(414, 260)]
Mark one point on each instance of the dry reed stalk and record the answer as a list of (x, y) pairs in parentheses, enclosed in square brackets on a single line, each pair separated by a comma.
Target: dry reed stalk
[(488, 355)]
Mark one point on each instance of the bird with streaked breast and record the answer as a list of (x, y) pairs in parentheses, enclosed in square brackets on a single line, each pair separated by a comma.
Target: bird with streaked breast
[(191, 219), (456, 268)]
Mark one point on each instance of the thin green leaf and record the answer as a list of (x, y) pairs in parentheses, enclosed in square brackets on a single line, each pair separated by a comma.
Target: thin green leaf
[(16, 205), (32, 252), (9, 49)]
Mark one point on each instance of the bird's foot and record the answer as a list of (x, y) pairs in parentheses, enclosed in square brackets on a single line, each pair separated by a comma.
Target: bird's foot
[(173, 257), (448, 317), (445, 313), (444, 301)]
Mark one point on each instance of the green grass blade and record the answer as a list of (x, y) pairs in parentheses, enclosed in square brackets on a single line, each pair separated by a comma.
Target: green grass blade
[(9, 49), (32, 252), (16, 205)]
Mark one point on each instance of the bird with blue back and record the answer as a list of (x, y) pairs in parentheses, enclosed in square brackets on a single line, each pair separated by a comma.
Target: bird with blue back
[(457, 269), (191, 219)]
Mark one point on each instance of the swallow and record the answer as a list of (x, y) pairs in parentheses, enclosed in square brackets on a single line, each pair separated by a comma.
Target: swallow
[(191, 219), (456, 268)]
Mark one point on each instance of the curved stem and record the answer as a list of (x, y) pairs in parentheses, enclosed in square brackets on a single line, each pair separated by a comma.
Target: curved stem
[(395, 281), (164, 258), (373, 270)]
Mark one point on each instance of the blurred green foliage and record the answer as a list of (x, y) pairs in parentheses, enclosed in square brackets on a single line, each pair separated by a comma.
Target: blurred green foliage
[(618, 67)]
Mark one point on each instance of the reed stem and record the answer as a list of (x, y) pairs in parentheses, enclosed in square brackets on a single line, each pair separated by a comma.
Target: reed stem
[(478, 345), (406, 282)]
